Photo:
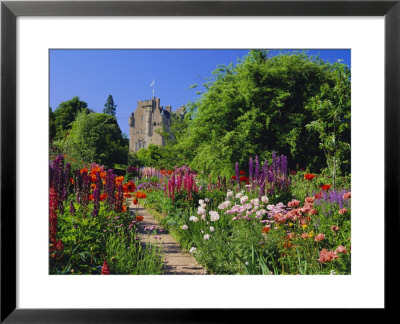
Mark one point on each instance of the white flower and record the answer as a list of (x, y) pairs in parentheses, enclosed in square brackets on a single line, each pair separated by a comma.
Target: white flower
[(201, 211), (203, 217), (255, 201), (193, 219), (207, 200), (203, 206), (224, 205), (212, 229), (229, 194), (214, 216), (206, 237), (264, 199), (238, 195), (201, 202), (243, 199), (185, 227), (192, 249)]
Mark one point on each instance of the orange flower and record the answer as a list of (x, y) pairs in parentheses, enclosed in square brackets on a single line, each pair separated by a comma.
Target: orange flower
[(93, 186), (84, 170), (131, 186), (309, 176), (72, 180), (140, 194), (135, 202), (95, 170), (139, 218), (163, 171), (266, 229), (119, 180), (123, 208), (170, 172), (103, 174), (127, 195), (90, 197), (103, 196)]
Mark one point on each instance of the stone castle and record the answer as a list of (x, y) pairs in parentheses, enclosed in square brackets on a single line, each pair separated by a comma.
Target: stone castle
[(148, 117)]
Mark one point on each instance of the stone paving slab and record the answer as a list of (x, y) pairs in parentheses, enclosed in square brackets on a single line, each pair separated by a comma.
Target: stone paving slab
[(176, 261)]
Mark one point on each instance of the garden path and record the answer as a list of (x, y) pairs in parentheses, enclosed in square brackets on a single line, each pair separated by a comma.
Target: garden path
[(176, 261)]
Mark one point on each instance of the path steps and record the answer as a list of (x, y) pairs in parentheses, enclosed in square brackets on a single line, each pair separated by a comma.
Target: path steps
[(176, 261)]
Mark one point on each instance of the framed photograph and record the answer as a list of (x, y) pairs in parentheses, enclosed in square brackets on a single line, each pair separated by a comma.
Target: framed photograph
[(38, 42)]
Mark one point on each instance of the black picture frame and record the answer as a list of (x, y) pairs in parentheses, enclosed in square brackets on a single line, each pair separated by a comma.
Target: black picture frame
[(10, 10)]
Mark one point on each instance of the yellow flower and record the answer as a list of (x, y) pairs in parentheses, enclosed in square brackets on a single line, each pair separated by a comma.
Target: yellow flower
[(304, 226), (311, 234), (290, 224)]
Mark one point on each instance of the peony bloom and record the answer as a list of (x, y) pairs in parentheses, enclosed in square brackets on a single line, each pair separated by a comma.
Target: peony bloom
[(319, 237), (264, 199), (207, 237), (293, 203), (309, 200), (341, 249), (347, 195), (193, 219), (214, 216), (185, 227), (342, 211), (326, 256), (229, 194), (243, 199), (212, 229), (105, 270), (334, 228)]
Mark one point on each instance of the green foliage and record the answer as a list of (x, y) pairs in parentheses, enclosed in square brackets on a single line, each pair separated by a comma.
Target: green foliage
[(95, 137), (256, 107), (65, 114), (109, 107), (52, 125)]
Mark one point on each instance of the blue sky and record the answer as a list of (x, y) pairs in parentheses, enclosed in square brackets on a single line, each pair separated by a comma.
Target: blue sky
[(92, 75)]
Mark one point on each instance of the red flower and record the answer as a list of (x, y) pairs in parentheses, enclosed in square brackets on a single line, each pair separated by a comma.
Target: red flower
[(71, 180), (139, 218), (242, 173), (140, 194), (105, 270), (103, 196), (233, 178), (326, 187), (135, 202), (309, 176), (293, 172), (244, 179), (170, 172), (318, 195)]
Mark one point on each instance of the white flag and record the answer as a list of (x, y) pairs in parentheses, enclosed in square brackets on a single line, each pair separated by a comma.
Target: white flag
[(152, 83)]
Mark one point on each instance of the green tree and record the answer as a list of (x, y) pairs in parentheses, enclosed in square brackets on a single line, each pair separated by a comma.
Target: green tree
[(65, 114), (331, 120), (256, 107), (95, 137), (109, 106), (52, 125)]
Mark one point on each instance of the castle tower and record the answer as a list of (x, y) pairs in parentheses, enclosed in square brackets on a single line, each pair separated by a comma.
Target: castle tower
[(148, 117)]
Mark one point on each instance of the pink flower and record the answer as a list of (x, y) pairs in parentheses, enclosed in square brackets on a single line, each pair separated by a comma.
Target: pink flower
[(304, 236), (334, 228), (313, 212), (341, 249), (326, 256), (309, 200), (319, 237), (293, 203), (343, 211), (347, 195)]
